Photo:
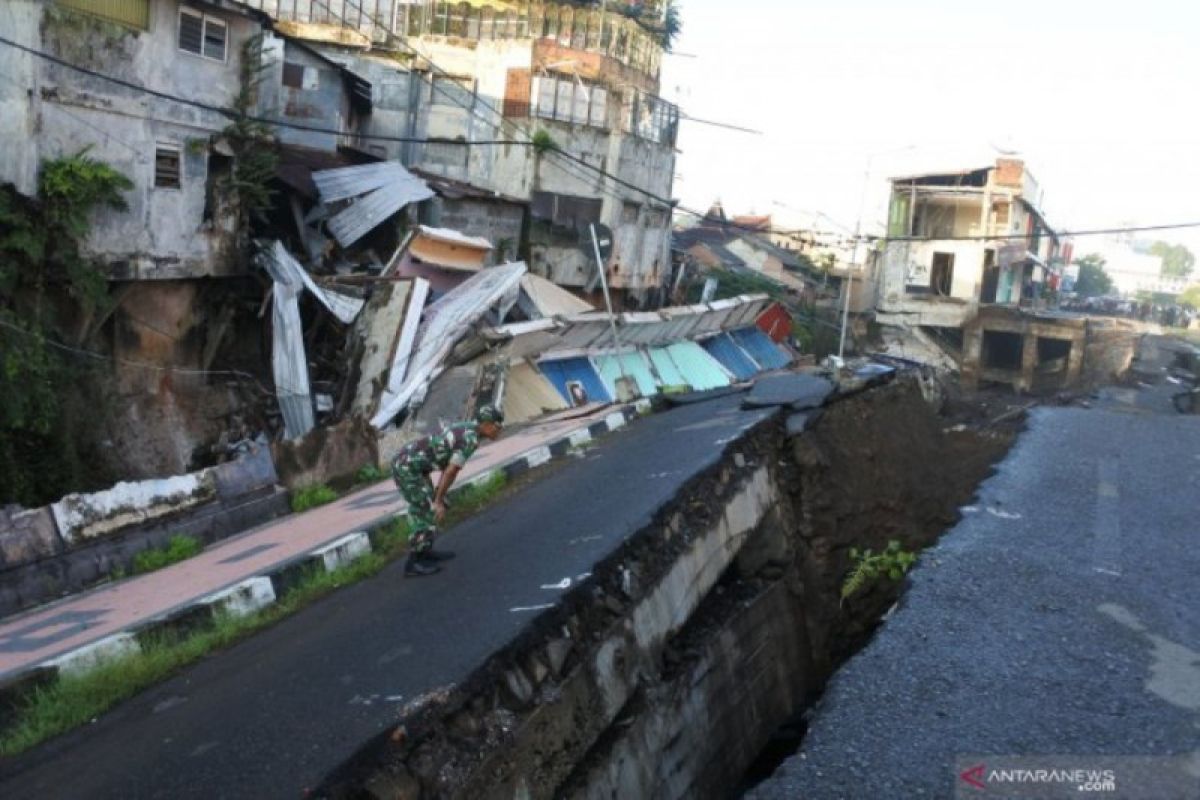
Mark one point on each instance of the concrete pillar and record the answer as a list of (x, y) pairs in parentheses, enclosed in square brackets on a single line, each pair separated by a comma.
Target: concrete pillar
[(1029, 360), (972, 358), (1075, 360)]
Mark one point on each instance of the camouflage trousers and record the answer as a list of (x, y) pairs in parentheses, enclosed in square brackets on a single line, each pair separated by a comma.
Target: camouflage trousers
[(417, 491)]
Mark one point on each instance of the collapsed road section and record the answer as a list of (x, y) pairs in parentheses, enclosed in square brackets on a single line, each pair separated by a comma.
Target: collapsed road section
[(716, 620), (640, 620)]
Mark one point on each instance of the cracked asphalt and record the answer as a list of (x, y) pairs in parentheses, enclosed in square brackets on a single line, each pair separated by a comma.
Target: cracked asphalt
[(1058, 617), (271, 716)]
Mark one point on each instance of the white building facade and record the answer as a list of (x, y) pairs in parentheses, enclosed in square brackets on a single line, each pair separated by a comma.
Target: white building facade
[(962, 239), (472, 83)]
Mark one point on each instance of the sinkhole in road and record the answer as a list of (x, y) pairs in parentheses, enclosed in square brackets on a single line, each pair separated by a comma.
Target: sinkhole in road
[(885, 468)]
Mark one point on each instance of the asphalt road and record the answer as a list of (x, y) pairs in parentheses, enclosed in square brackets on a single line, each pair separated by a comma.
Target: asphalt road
[(272, 715), (1059, 617)]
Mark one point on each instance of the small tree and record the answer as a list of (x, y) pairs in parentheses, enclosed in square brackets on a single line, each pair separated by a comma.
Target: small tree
[(1093, 280), (1177, 260), (1191, 297)]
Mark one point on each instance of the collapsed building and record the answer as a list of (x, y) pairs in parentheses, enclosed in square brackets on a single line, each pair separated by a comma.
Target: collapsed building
[(177, 95)]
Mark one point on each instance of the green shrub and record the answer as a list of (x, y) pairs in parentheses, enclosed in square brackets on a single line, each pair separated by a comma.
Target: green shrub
[(892, 563), (370, 474), (178, 549), (311, 497)]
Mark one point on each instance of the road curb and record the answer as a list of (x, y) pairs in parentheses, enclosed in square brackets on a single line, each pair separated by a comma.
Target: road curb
[(263, 590)]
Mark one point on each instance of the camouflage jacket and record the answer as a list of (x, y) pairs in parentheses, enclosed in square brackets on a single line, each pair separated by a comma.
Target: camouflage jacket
[(453, 444)]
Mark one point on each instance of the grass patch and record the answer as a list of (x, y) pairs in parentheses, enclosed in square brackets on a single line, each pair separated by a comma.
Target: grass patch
[(178, 549), (469, 499), (74, 700), (311, 497), (370, 474)]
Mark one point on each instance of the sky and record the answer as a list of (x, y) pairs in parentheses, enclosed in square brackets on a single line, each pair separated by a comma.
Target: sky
[(1101, 99)]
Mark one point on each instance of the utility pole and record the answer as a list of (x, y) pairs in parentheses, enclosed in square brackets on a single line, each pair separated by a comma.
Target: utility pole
[(612, 320), (848, 283)]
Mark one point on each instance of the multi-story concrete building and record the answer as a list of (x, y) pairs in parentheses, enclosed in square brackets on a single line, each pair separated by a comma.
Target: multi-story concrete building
[(472, 83), (958, 240)]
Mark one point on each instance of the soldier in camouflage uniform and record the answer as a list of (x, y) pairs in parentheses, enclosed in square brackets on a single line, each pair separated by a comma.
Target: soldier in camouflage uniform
[(445, 451)]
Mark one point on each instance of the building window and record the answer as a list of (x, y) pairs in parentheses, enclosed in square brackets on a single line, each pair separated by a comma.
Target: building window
[(564, 210), (629, 212), (168, 167), (569, 99), (202, 34), (293, 75), (942, 280), (1001, 213), (135, 13)]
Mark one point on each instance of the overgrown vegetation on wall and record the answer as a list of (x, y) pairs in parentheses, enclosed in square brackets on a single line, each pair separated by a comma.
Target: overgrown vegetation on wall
[(252, 141), (49, 291)]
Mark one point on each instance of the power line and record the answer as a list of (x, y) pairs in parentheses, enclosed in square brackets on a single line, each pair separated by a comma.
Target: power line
[(1016, 236), (127, 362), (231, 114)]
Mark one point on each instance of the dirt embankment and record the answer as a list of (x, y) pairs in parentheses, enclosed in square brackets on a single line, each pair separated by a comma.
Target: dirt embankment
[(879, 467), (536, 719)]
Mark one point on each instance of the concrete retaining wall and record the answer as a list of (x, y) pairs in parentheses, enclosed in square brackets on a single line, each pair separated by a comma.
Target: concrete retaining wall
[(83, 538)]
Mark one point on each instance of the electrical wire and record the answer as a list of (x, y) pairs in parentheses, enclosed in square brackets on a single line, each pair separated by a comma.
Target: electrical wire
[(231, 114), (130, 363), (575, 159)]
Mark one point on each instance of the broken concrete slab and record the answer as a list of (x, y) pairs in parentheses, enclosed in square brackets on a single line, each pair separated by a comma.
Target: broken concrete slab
[(687, 398), (797, 423), (798, 392)]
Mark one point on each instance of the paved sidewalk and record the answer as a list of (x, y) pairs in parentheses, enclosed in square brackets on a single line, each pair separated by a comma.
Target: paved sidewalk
[(96, 620)]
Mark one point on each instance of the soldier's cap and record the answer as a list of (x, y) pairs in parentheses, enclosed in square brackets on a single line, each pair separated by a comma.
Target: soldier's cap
[(489, 413)]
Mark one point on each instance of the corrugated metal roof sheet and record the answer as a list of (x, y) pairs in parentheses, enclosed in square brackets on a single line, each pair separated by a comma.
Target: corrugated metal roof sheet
[(351, 224), (668, 373), (288, 362), (343, 183), (652, 329), (562, 371), (700, 370), (634, 365), (775, 322), (446, 321), (731, 356), (283, 268), (761, 348)]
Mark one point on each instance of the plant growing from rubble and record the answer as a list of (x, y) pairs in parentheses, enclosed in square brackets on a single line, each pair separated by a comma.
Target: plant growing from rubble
[(866, 566)]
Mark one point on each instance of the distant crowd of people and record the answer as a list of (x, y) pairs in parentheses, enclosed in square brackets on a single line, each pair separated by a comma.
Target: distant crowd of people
[(1172, 316)]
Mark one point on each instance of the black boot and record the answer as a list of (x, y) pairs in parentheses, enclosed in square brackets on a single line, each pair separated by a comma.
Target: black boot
[(419, 566), (438, 555)]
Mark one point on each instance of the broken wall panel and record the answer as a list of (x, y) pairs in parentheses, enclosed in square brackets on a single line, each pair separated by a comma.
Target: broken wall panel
[(446, 322), (760, 347), (631, 364), (528, 394), (731, 356), (380, 329), (564, 372), (449, 249), (699, 369), (548, 299)]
